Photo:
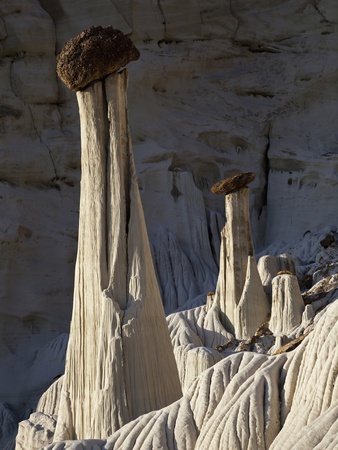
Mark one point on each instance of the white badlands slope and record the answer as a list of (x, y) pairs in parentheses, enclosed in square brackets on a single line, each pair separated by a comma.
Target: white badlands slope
[(219, 87), (243, 401), (246, 400)]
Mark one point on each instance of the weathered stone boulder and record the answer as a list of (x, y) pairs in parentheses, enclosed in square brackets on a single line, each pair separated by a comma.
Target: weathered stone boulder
[(233, 184), (93, 55)]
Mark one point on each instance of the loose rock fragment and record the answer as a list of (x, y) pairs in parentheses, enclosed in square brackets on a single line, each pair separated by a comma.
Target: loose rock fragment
[(93, 55), (292, 344), (263, 330), (233, 184), (327, 241)]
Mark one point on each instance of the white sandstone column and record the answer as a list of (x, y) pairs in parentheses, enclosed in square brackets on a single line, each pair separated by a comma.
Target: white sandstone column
[(238, 246), (120, 362), (287, 304), (239, 289), (253, 308)]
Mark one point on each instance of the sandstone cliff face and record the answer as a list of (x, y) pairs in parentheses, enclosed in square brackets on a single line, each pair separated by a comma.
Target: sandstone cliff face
[(220, 87)]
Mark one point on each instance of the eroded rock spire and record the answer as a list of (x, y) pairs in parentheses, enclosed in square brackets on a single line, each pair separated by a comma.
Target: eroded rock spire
[(120, 362), (240, 295)]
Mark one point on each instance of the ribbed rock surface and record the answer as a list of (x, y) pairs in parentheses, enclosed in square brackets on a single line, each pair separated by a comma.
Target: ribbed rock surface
[(310, 394), (8, 426), (120, 361), (236, 247), (253, 308), (287, 304), (247, 401), (239, 294), (195, 334)]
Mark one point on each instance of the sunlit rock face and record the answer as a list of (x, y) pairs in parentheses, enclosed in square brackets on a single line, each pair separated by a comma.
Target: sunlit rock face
[(220, 87)]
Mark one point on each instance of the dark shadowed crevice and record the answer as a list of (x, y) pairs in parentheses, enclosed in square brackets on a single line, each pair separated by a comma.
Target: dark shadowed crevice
[(266, 170), (53, 8), (324, 19), (236, 17), (164, 23)]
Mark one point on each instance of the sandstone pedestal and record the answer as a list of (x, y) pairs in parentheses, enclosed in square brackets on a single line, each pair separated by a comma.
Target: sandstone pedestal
[(242, 301)]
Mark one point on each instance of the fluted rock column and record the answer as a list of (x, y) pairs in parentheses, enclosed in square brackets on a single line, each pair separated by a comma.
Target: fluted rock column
[(287, 304), (239, 290), (238, 243), (253, 308), (120, 362)]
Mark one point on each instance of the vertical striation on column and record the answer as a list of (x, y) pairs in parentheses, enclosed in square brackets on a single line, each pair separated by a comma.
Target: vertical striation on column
[(239, 293), (253, 307), (287, 304), (91, 274), (238, 245)]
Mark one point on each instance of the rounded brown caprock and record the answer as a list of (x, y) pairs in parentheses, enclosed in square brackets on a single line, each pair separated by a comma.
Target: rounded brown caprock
[(233, 184), (93, 55)]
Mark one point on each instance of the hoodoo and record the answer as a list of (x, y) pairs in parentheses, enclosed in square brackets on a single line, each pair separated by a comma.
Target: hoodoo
[(120, 361), (240, 295)]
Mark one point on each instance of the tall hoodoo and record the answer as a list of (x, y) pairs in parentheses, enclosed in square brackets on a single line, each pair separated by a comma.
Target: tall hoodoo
[(239, 289), (120, 361)]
